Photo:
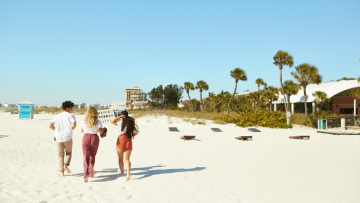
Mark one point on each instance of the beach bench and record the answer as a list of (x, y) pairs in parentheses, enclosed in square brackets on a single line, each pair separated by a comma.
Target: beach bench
[(173, 129), (253, 130), (216, 130), (242, 138), (188, 137), (300, 137)]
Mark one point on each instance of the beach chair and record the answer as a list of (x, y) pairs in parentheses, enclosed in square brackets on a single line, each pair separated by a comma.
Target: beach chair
[(173, 129), (253, 130), (300, 137), (242, 138), (216, 130), (188, 137)]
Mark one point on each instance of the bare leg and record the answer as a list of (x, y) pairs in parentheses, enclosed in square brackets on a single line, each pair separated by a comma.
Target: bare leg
[(127, 154), (86, 179), (121, 162), (61, 174), (67, 169)]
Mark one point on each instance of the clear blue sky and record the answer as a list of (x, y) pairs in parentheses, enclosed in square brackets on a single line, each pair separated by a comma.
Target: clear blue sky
[(90, 51)]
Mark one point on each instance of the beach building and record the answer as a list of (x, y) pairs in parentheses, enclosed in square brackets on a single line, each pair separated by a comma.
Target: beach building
[(118, 106), (244, 94), (183, 103), (96, 106), (9, 105), (81, 105), (337, 91), (26, 110), (134, 94), (140, 105)]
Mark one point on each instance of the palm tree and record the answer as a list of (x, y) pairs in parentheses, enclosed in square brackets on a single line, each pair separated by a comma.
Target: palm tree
[(272, 95), (319, 98), (256, 98), (306, 74), (283, 58), (290, 88), (265, 86), (238, 74), (201, 85), (188, 86), (259, 82)]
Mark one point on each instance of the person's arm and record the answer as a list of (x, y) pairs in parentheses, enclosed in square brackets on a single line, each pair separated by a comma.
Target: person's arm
[(82, 130), (101, 130), (135, 133), (52, 126), (114, 121), (73, 125)]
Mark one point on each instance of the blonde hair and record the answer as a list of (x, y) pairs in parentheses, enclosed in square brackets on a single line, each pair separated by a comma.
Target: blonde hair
[(91, 117)]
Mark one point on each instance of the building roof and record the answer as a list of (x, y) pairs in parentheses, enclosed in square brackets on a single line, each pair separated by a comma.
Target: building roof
[(330, 88), (25, 102), (244, 93), (185, 102)]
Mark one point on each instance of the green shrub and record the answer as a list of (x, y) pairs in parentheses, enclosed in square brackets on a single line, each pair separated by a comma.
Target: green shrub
[(263, 118)]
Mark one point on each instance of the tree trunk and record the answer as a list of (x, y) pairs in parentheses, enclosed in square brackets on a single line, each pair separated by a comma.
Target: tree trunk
[(305, 100), (192, 106), (201, 103), (258, 88), (231, 98), (288, 103), (282, 88)]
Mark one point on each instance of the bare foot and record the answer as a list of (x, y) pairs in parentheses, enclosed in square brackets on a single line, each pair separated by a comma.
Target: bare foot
[(67, 169), (128, 177), (122, 174), (61, 174), (86, 179)]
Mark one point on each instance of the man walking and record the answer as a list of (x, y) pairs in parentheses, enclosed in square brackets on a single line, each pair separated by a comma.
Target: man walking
[(63, 124)]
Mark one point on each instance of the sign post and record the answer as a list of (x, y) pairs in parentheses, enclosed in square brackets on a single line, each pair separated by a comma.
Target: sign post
[(288, 117)]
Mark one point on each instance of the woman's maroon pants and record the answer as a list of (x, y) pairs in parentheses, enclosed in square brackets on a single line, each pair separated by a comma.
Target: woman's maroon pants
[(90, 144)]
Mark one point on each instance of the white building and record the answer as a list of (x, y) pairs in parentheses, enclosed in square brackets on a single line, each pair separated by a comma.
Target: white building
[(9, 105), (134, 94), (81, 105), (96, 106), (119, 106)]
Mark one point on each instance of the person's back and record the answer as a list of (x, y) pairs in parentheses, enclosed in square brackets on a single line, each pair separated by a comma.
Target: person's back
[(63, 126)]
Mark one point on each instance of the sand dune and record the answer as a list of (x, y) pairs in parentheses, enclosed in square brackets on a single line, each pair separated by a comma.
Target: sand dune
[(213, 168)]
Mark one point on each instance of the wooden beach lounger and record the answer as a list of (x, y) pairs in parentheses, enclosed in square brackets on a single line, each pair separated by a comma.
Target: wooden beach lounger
[(173, 129), (188, 137), (300, 137), (242, 138), (216, 129), (253, 130)]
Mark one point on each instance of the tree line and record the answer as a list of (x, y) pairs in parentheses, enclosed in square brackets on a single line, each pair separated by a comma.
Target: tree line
[(304, 74)]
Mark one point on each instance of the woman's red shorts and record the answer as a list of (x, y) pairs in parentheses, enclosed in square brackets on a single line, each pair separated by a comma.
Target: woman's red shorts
[(124, 143)]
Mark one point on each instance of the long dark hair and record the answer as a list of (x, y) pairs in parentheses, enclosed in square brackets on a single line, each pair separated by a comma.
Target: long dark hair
[(129, 122)]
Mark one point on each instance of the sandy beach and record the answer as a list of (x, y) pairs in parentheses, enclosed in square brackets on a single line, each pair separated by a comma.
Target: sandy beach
[(213, 168)]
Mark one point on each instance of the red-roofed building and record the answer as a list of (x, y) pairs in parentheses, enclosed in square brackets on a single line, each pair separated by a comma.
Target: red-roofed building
[(182, 104)]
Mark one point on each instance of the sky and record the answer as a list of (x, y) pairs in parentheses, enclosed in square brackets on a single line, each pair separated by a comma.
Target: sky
[(90, 51)]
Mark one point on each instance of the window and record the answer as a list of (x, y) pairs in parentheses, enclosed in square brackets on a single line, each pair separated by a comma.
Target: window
[(348, 111)]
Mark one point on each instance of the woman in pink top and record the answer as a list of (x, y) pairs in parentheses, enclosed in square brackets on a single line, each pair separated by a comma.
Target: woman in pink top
[(90, 142)]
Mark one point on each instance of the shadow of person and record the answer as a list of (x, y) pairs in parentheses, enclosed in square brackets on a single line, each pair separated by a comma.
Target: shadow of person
[(1, 136), (150, 173), (147, 172)]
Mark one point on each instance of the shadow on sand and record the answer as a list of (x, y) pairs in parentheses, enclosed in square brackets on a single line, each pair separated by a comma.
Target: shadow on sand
[(1, 136), (145, 172)]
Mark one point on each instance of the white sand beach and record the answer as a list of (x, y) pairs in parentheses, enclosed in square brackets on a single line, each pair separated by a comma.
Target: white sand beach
[(213, 168)]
